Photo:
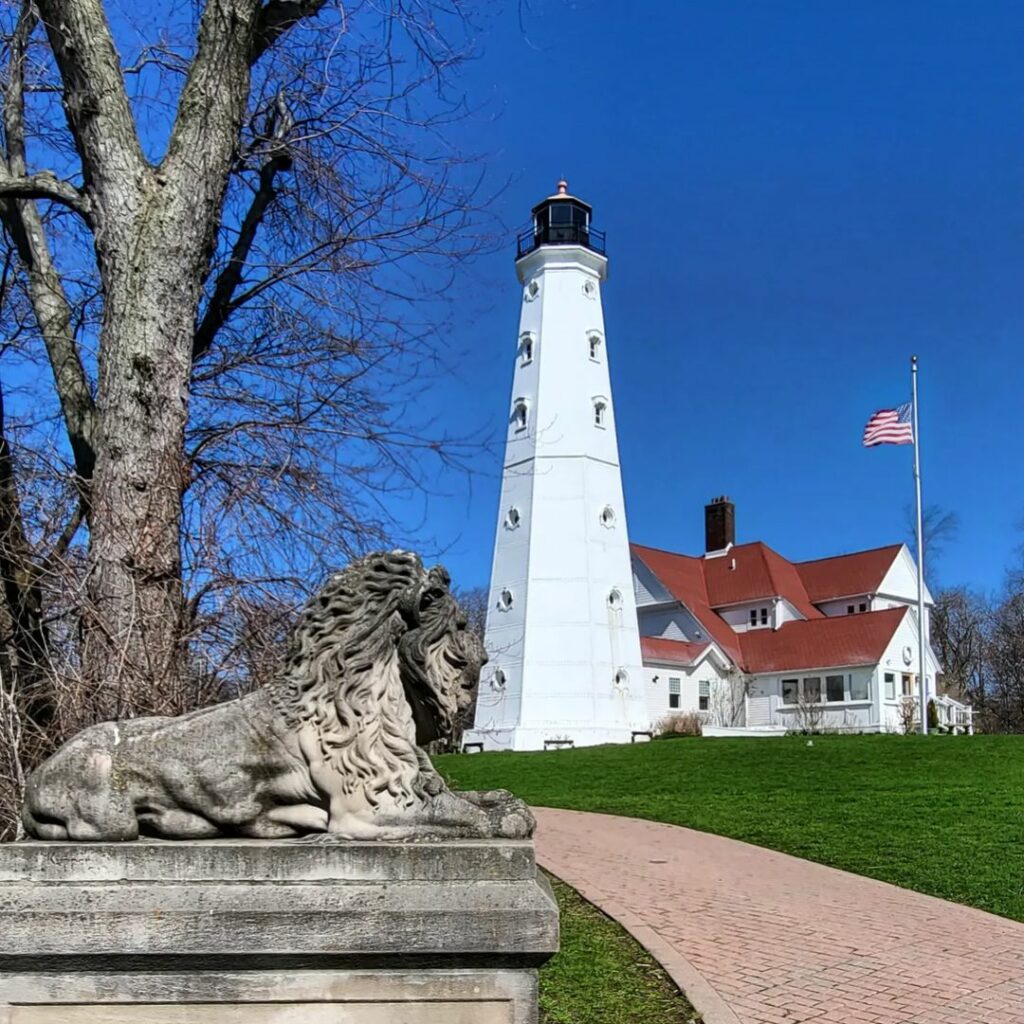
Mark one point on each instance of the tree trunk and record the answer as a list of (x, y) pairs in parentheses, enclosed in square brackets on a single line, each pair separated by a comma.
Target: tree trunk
[(156, 228), (132, 653)]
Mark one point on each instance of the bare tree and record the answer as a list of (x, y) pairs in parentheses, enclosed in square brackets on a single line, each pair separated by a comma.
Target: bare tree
[(940, 527), (473, 602), (230, 210), (1005, 691), (959, 627), (214, 338)]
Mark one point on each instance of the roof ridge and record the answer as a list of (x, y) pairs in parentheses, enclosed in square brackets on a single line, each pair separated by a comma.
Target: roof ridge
[(664, 551), (851, 554)]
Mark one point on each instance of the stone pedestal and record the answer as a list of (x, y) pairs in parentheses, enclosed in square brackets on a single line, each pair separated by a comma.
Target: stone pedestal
[(249, 932)]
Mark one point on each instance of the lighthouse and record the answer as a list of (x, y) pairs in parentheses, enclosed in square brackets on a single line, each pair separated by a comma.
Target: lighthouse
[(562, 633)]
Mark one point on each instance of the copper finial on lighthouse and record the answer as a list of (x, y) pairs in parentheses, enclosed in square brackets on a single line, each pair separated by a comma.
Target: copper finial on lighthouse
[(563, 187)]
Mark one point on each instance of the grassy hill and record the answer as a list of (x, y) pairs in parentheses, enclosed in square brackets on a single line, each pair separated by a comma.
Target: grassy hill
[(943, 815)]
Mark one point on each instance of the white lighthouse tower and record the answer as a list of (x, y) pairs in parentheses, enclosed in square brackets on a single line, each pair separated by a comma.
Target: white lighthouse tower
[(561, 626)]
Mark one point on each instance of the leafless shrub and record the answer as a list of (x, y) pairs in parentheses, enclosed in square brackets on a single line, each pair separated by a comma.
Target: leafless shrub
[(683, 723), (908, 715)]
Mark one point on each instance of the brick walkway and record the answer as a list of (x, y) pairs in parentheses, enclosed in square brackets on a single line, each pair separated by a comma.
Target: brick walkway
[(756, 937)]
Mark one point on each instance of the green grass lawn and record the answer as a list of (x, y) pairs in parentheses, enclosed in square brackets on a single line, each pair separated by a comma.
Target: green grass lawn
[(602, 975), (943, 815)]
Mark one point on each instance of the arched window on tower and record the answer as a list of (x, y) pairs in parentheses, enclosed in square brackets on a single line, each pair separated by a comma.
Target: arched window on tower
[(600, 412), (594, 344), (520, 413), (525, 348)]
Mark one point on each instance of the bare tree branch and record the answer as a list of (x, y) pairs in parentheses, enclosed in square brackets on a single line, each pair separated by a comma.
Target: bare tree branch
[(95, 102), (45, 185), (220, 306), (25, 226), (276, 17)]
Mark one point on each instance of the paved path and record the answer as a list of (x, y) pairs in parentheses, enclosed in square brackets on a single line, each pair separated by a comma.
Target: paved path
[(756, 937)]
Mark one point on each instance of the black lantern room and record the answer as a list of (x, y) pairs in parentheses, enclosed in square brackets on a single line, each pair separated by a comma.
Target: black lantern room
[(561, 219)]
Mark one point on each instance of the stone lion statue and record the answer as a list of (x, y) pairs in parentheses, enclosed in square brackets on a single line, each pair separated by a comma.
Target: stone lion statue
[(379, 661)]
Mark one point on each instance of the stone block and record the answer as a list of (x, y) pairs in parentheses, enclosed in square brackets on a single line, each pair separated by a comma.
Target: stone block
[(275, 932)]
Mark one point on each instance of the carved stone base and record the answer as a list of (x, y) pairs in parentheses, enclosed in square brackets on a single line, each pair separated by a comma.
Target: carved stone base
[(253, 932)]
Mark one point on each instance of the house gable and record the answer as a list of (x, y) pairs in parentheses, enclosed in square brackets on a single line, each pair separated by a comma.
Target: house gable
[(900, 581)]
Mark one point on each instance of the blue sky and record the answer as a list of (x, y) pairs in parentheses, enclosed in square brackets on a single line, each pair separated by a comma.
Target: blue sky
[(797, 197)]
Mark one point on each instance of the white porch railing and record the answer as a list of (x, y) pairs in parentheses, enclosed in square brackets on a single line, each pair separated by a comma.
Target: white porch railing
[(954, 715)]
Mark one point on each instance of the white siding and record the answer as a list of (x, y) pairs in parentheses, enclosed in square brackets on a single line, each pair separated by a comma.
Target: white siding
[(646, 586), (725, 699), (842, 606), (738, 616), (670, 623)]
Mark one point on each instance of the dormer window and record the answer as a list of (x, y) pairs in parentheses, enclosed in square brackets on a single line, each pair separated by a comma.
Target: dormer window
[(600, 411), (758, 617), (520, 413)]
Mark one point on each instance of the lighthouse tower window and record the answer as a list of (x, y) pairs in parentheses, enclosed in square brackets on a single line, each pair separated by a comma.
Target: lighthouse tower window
[(526, 349), (520, 411), (594, 342), (600, 409)]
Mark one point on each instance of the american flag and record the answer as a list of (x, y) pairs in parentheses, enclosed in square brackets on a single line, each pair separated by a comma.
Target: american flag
[(890, 426)]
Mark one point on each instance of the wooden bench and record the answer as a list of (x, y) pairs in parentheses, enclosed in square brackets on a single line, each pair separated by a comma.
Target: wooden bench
[(640, 732), (467, 747), (558, 744)]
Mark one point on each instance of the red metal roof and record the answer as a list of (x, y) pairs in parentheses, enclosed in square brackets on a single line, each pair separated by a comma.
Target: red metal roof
[(847, 575), (839, 641), (683, 577), (675, 652), (750, 572)]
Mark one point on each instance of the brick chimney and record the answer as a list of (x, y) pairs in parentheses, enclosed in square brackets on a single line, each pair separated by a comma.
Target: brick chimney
[(719, 524)]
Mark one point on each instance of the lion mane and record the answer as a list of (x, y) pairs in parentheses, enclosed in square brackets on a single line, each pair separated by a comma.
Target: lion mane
[(375, 664)]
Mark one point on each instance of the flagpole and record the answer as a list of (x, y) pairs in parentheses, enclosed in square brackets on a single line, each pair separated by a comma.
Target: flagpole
[(922, 664)]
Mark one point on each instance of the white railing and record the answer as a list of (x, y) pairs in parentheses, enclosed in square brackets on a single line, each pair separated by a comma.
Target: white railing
[(954, 715)]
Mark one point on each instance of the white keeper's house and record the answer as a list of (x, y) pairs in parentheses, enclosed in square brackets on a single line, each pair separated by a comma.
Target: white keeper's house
[(756, 644)]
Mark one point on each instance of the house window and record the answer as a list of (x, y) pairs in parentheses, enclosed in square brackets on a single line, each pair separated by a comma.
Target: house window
[(860, 688), (753, 617), (594, 343), (673, 692), (890, 686), (834, 688), (907, 685), (704, 695), (758, 617), (600, 407), (812, 689), (520, 411), (764, 616), (790, 691)]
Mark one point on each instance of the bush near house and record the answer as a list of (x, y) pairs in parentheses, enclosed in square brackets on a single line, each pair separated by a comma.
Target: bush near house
[(685, 723), (941, 815)]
